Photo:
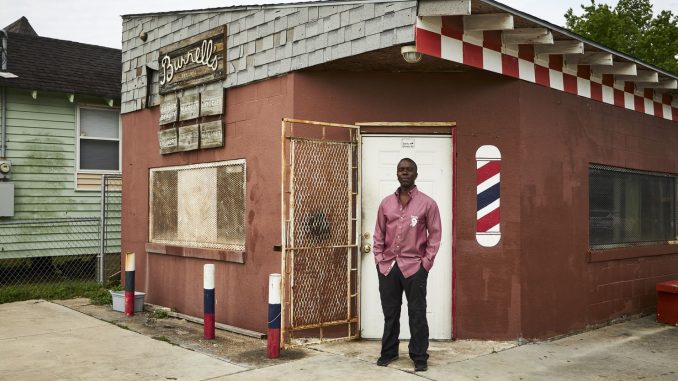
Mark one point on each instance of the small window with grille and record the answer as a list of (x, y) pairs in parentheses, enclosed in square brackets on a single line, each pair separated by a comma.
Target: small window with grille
[(201, 205), (630, 208)]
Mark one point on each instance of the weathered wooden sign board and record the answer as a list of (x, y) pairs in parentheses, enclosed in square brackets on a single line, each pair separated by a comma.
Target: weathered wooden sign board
[(211, 134), (189, 138), (194, 61), (169, 110), (212, 102), (168, 140), (189, 107)]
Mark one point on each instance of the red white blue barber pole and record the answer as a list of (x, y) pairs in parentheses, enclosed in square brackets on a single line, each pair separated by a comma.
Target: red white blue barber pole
[(273, 350), (488, 168), (129, 284), (208, 286)]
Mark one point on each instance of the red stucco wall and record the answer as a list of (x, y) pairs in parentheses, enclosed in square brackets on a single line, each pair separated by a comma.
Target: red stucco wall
[(252, 132), (486, 110), (560, 135), (537, 282)]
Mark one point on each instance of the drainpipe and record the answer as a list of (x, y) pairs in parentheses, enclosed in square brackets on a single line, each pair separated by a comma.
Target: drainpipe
[(3, 95), (3, 122)]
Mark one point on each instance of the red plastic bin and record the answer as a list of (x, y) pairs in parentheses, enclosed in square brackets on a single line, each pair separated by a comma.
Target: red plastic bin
[(667, 302)]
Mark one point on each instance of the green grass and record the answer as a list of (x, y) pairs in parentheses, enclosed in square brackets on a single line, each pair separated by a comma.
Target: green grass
[(160, 314), (97, 293)]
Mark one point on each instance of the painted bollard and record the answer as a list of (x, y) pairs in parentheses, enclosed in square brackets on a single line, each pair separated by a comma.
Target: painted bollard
[(129, 284), (273, 347), (208, 286)]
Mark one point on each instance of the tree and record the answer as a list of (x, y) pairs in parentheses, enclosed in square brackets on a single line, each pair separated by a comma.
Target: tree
[(631, 28)]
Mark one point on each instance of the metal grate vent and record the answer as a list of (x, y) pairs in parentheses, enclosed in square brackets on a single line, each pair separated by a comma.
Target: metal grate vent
[(200, 205)]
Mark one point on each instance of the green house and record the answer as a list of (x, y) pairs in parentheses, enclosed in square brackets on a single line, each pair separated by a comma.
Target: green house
[(59, 133)]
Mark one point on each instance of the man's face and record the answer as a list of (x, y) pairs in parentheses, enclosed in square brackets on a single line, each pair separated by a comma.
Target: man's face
[(406, 174)]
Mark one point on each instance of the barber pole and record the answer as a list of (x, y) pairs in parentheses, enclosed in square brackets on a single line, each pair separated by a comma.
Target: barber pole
[(273, 316), (208, 285), (129, 284), (488, 167)]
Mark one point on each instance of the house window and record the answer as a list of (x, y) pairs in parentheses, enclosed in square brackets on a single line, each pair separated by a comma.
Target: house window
[(201, 205), (628, 207), (98, 139)]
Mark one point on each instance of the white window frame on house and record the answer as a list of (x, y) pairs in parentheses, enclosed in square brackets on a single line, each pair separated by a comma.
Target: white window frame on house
[(78, 137), (617, 220)]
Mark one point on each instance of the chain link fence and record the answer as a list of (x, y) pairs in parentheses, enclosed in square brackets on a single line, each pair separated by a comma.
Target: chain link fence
[(42, 258)]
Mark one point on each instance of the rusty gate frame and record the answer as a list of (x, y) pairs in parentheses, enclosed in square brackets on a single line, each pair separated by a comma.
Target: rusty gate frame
[(287, 329)]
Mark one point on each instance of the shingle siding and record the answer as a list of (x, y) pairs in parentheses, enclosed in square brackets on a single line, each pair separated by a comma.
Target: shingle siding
[(264, 42)]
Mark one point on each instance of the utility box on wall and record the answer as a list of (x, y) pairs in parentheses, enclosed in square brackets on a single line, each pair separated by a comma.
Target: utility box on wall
[(6, 199)]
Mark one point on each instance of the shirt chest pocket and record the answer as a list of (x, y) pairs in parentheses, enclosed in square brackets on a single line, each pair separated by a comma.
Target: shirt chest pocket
[(417, 221)]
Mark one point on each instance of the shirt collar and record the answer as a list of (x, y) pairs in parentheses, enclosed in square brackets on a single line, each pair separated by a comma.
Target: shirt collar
[(413, 192)]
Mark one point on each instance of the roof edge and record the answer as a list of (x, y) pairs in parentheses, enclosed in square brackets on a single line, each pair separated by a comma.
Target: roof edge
[(266, 6), (576, 36)]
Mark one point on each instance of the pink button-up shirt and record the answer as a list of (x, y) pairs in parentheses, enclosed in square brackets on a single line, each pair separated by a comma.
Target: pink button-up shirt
[(408, 235)]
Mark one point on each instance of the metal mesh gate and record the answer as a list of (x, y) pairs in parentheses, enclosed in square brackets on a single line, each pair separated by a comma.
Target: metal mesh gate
[(320, 254)]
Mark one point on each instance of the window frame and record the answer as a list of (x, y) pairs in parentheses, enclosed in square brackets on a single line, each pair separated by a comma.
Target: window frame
[(605, 252), (168, 247), (78, 170)]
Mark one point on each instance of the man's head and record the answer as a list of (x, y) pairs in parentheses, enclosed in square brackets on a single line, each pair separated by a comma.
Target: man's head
[(407, 173)]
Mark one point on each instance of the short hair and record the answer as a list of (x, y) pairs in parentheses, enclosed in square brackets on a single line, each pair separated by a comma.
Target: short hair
[(410, 161)]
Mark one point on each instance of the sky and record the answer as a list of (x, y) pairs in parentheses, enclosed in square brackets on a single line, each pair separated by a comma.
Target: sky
[(98, 22)]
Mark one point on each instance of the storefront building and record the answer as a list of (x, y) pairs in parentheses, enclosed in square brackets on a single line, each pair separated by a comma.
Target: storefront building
[(262, 138)]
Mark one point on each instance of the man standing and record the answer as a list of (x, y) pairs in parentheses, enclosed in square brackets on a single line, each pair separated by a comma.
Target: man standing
[(406, 241)]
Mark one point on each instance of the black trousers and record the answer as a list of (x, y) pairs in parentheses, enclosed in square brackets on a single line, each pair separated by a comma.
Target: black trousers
[(391, 289)]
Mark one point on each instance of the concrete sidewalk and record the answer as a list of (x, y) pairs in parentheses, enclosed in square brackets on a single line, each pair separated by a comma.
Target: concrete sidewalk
[(45, 341)]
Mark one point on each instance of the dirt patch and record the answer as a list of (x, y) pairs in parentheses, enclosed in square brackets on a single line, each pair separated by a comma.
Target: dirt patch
[(227, 346)]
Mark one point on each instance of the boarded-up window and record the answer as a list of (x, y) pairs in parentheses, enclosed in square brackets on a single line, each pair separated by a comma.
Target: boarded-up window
[(200, 205), (628, 207)]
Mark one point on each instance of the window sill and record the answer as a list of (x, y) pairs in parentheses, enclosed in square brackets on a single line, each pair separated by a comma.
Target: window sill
[(604, 255), (193, 252)]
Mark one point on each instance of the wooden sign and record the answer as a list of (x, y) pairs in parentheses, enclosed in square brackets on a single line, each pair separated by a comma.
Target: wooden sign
[(168, 140), (196, 60), (189, 107), (168, 110), (211, 134), (212, 102), (188, 138)]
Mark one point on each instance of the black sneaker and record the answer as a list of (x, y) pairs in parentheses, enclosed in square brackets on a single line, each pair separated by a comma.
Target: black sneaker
[(420, 366), (384, 361)]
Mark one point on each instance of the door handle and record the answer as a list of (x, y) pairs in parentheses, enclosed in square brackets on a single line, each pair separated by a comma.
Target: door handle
[(366, 248)]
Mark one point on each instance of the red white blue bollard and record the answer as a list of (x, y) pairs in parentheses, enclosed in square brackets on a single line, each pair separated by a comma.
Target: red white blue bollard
[(208, 286), (273, 347), (129, 284)]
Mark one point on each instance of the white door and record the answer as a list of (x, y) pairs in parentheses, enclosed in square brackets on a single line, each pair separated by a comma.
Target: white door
[(380, 156)]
